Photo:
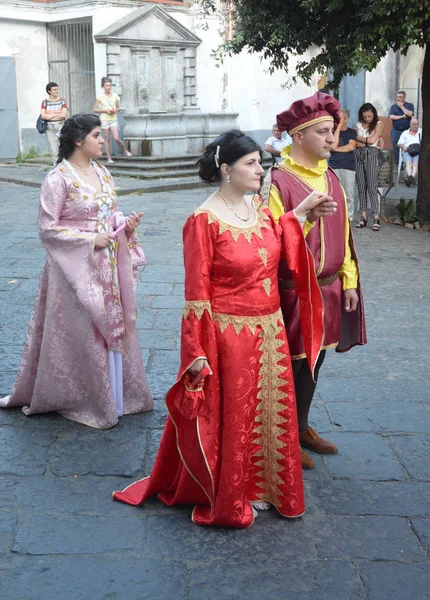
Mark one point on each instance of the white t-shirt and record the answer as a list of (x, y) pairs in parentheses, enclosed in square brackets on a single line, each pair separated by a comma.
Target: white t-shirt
[(279, 144), (362, 132), (406, 139)]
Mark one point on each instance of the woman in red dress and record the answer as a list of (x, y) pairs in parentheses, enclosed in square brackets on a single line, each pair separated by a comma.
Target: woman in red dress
[(230, 443)]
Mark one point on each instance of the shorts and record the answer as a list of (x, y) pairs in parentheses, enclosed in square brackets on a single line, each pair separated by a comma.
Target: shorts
[(109, 124), (408, 158)]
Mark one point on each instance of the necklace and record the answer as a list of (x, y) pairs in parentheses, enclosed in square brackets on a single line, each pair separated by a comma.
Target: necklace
[(85, 171), (245, 219)]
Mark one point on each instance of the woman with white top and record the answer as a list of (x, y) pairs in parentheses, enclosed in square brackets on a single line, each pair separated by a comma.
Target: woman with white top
[(369, 131), (107, 105)]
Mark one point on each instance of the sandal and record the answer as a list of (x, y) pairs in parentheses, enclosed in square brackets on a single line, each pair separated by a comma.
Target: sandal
[(127, 153), (110, 162), (362, 223), (376, 225)]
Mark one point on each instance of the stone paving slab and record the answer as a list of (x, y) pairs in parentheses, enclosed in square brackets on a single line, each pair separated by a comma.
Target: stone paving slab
[(349, 497), (87, 452), (56, 534), (174, 537), (370, 537), (413, 452), (365, 533), (94, 578), (363, 456), (422, 529), (258, 577), (394, 581), (24, 452), (379, 417)]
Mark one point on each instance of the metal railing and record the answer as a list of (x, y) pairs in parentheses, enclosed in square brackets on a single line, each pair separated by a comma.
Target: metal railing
[(71, 62)]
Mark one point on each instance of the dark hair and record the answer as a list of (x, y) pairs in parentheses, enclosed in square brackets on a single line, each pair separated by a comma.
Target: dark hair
[(106, 80), (74, 130), (227, 148), (402, 92), (50, 85), (364, 108)]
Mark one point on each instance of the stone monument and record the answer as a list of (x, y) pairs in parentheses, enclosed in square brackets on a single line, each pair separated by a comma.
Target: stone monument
[(151, 59)]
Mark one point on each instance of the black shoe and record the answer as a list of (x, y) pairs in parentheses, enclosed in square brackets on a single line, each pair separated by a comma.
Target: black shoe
[(362, 223), (412, 180), (408, 180)]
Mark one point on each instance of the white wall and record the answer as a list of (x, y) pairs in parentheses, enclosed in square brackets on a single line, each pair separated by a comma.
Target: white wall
[(243, 84), (27, 44), (411, 68)]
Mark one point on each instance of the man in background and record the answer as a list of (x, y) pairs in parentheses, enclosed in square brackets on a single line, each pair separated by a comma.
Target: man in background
[(342, 159), (400, 114), (275, 144)]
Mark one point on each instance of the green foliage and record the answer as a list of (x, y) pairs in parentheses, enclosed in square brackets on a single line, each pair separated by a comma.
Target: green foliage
[(22, 158), (406, 211), (343, 36)]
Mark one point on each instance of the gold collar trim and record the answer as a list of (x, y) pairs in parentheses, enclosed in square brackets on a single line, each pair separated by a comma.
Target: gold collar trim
[(236, 232)]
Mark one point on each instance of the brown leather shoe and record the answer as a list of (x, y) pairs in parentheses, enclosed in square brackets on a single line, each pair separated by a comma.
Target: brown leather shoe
[(307, 461), (312, 441)]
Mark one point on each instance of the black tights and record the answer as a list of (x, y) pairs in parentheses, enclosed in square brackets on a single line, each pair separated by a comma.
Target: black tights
[(305, 388)]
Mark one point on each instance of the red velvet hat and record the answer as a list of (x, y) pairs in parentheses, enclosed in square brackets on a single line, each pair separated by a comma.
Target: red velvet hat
[(308, 111)]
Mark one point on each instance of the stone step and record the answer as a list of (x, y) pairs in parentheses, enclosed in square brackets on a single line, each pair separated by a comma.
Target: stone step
[(152, 162), (155, 174)]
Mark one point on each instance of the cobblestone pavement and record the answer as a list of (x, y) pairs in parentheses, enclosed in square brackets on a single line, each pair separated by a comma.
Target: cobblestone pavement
[(366, 533)]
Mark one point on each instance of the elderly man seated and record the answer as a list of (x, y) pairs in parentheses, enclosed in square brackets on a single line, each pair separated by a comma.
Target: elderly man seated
[(409, 142), (275, 144)]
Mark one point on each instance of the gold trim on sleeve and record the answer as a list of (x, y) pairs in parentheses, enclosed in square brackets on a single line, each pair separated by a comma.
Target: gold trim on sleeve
[(198, 307)]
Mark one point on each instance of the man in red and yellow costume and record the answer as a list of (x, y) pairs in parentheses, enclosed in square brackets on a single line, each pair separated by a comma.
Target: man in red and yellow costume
[(311, 122)]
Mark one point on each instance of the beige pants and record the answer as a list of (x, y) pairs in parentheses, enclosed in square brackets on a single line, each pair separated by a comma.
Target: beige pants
[(52, 128), (347, 179)]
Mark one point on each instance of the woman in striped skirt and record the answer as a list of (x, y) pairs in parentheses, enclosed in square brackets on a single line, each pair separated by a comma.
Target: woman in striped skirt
[(369, 131)]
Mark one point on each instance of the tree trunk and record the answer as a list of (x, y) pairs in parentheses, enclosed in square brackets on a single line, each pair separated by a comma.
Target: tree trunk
[(423, 193)]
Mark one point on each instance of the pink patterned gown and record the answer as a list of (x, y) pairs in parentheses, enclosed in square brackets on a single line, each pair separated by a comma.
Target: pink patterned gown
[(82, 356)]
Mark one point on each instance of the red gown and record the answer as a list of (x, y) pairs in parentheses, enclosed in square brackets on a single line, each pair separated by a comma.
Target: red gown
[(234, 439)]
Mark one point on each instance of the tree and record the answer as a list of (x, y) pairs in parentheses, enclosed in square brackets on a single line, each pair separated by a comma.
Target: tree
[(345, 36)]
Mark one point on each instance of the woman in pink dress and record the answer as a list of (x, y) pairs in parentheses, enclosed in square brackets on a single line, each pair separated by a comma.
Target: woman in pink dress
[(82, 357)]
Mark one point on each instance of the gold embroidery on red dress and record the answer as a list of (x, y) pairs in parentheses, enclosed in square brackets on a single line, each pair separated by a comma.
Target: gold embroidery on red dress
[(269, 421), (236, 232), (266, 284), (263, 255)]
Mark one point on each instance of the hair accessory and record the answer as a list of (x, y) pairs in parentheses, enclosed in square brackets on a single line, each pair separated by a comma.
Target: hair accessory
[(217, 157)]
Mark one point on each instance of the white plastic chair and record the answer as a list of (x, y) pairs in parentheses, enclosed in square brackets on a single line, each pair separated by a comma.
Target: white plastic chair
[(399, 168)]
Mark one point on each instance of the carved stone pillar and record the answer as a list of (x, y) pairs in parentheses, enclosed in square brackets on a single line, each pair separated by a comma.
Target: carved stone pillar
[(113, 66), (190, 81)]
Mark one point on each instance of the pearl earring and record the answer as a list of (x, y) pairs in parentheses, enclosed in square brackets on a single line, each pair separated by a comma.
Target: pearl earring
[(228, 179)]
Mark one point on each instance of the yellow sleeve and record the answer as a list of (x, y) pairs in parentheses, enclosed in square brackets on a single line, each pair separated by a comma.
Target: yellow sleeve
[(277, 208), (275, 203), (348, 271)]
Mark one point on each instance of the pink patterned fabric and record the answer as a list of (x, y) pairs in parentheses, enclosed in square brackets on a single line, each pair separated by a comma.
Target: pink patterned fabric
[(85, 306)]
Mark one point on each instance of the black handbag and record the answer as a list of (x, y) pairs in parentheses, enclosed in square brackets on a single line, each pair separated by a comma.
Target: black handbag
[(41, 125), (414, 149)]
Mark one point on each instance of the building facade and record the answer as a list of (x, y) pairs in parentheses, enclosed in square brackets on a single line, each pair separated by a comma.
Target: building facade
[(159, 56)]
